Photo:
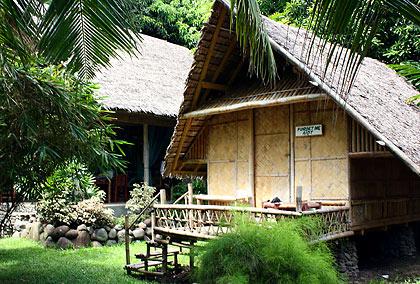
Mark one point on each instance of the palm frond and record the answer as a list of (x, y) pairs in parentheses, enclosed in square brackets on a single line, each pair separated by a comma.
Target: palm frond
[(253, 38), (410, 70), (85, 34)]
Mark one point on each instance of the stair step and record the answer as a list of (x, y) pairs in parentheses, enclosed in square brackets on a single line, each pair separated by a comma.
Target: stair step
[(155, 254), (150, 263)]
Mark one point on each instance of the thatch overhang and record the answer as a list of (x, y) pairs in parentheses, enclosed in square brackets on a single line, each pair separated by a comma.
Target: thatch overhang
[(149, 87), (377, 99)]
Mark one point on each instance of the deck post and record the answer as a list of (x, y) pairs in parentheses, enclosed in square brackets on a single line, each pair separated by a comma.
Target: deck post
[(162, 196), (190, 201), (127, 242), (153, 217), (146, 174)]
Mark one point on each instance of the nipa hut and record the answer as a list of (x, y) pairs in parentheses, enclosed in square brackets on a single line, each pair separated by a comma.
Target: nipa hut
[(145, 93), (298, 139)]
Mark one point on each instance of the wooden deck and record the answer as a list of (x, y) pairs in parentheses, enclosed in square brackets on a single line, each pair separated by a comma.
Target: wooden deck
[(209, 221)]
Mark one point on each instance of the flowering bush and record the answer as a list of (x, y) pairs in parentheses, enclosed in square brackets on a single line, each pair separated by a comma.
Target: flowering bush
[(92, 211), (140, 196)]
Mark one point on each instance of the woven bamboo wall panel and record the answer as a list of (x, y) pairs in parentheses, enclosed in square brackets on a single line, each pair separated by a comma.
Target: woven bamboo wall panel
[(242, 177), (272, 120), (362, 140), (333, 142), (303, 178), (222, 142), (244, 138), (329, 179), (224, 118), (270, 187), (272, 155), (221, 178)]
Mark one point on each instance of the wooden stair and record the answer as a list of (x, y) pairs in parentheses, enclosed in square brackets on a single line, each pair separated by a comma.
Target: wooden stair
[(158, 260)]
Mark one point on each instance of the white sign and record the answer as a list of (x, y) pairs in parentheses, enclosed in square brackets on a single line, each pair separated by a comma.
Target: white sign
[(308, 130)]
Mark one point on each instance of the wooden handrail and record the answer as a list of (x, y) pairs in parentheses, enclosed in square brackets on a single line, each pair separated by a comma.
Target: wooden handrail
[(144, 210), (184, 196)]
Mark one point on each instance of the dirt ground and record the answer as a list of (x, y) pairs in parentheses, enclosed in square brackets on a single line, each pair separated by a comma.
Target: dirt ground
[(390, 271)]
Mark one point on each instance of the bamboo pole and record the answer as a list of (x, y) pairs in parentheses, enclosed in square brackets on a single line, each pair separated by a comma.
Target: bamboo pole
[(146, 175), (127, 242), (162, 196)]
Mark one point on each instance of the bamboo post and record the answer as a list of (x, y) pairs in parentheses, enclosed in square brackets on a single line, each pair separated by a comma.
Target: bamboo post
[(127, 241), (153, 217), (146, 175), (190, 202), (162, 196), (191, 255), (164, 259)]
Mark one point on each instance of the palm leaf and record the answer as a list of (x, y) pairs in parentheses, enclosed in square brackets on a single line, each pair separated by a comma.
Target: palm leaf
[(253, 38), (85, 34)]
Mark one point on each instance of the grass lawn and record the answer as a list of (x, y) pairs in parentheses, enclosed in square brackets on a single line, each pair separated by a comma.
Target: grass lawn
[(25, 261)]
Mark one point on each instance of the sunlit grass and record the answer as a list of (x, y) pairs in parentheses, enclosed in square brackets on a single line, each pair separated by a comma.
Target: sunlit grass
[(25, 261)]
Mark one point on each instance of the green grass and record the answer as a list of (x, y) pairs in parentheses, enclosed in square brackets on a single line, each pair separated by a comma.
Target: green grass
[(25, 261)]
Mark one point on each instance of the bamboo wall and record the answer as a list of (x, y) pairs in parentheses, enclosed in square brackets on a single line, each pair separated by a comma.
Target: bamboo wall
[(265, 136), (228, 154)]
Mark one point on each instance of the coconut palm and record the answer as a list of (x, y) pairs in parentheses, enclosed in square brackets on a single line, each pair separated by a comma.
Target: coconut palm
[(82, 33), (349, 25)]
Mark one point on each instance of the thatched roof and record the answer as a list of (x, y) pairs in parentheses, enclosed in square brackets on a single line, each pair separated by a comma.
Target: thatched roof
[(377, 99), (153, 83)]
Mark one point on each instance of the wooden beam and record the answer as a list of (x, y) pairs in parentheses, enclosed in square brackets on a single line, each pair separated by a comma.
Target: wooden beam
[(213, 86), (198, 89), (370, 155)]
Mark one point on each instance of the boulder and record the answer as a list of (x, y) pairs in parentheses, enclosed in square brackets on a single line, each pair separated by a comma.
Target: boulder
[(96, 244), (121, 236), (148, 222), (16, 234), (138, 234), (111, 242), (24, 233), (60, 231), (43, 236), (142, 225), (100, 235), (49, 242), (82, 240), (90, 230), (49, 229), (107, 228), (64, 243), (118, 227), (149, 232), (82, 227), (71, 234), (112, 234), (35, 231)]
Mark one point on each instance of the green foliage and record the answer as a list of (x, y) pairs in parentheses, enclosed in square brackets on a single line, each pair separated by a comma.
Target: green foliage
[(47, 116), (199, 187), (410, 70), (177, 21), (71, 197), (295, 12), (267, 253), (140, 197), (83, 33)]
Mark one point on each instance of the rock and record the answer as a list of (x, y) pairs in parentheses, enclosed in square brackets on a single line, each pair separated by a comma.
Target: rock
[(60, 231), (100, 235), (149, 232), (82, 227), (82, 240), (107, 228), (90, 230), (130, 232), (43, 236), (96, 244), (49, 242), (142, 225), (16, 234), (20, 225), (121, 236), (118, 227), (138, 234), (158, 237), (49, 229), (71, 234), (112, 234), (148, 222), (27, 225), (111, 242), (24, 233), (35, 231), (64, 243)]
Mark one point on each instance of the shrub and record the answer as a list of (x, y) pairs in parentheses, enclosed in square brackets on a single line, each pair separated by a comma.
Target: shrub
[(71, 197), (266, 253), (199, 187), (140, 197)]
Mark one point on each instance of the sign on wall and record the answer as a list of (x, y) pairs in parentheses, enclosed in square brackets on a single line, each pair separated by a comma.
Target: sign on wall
[(308, 130)]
